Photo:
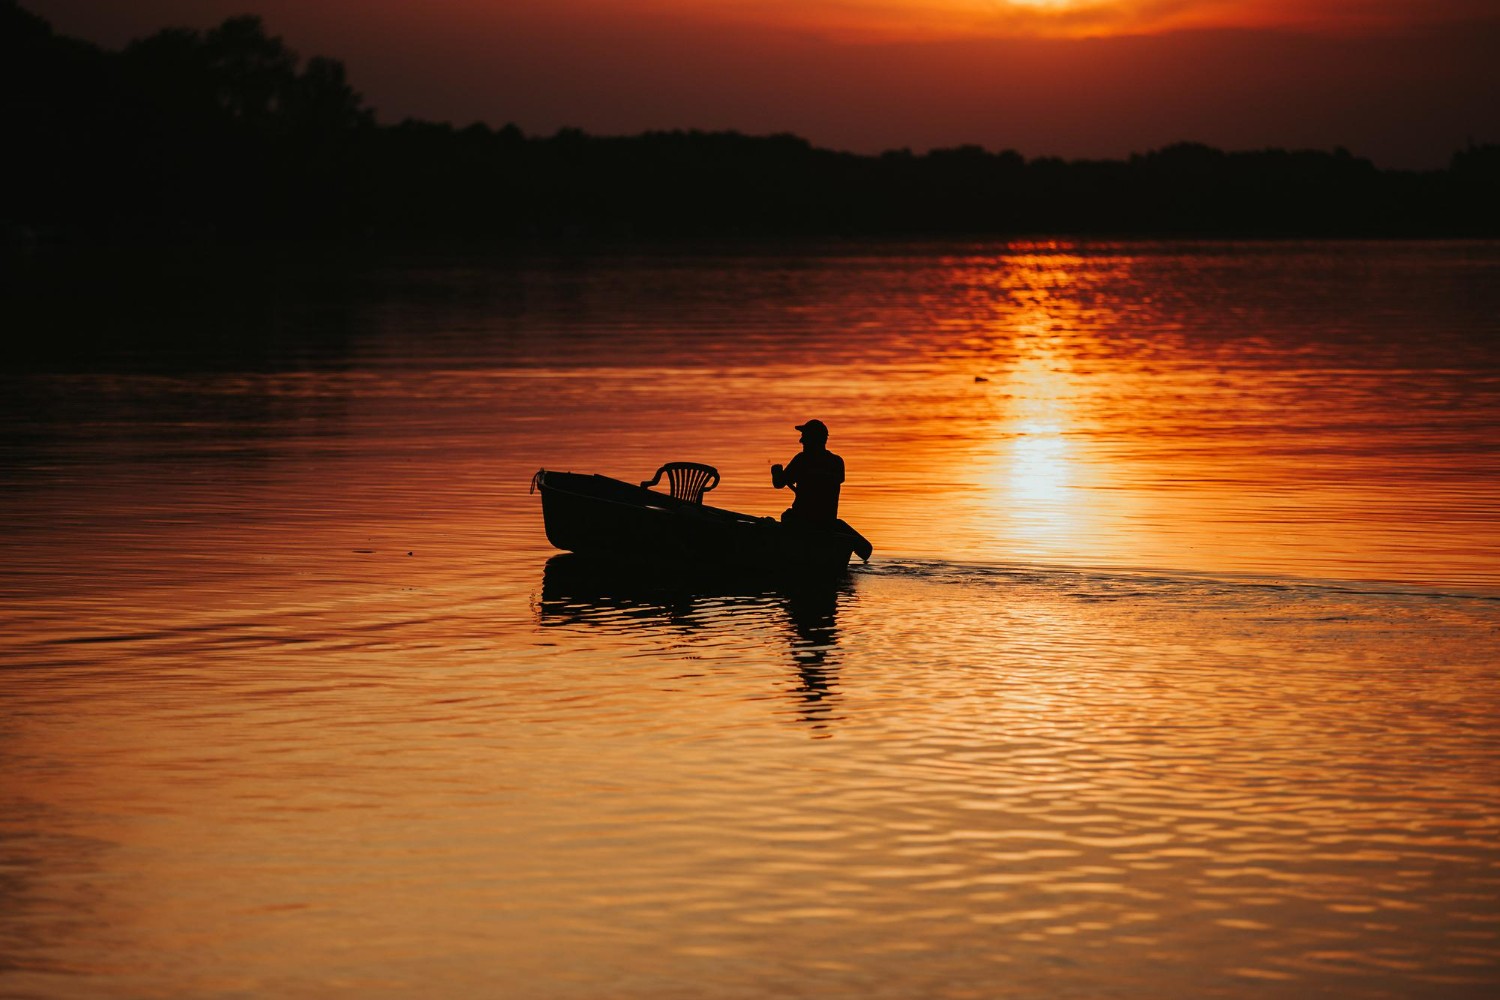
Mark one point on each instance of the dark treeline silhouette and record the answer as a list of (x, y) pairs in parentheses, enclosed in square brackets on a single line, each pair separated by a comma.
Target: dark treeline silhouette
[(228, 133)]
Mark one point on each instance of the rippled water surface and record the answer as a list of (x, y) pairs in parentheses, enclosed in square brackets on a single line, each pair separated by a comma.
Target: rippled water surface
[(1176, 672)]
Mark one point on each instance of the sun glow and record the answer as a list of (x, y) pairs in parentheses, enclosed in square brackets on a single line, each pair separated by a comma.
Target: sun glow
[(1051, 4), (910, 20)]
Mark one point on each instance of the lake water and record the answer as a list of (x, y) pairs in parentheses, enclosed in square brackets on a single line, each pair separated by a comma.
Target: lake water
[(1176, 672)]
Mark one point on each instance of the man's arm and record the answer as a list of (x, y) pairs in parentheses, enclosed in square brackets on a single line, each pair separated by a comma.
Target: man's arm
[(785, 477)]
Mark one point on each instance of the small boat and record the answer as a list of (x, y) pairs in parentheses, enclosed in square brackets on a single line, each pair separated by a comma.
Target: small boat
[(598, 516)]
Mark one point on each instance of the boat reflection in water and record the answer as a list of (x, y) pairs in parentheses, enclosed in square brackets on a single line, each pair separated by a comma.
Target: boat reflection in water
[(716, 613)]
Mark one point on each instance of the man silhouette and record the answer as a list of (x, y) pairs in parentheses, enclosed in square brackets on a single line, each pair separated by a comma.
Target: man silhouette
[(814, 474)]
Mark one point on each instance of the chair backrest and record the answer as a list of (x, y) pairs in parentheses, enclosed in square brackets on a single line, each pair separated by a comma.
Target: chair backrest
[(688, 480)]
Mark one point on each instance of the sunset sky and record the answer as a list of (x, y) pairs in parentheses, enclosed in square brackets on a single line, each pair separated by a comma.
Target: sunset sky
[(1404, 82)]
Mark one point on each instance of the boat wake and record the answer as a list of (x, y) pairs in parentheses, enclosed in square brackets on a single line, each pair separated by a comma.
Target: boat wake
[(1119, 583)]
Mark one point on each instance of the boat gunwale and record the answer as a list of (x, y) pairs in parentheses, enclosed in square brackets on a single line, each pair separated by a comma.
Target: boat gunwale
[(674, 505)]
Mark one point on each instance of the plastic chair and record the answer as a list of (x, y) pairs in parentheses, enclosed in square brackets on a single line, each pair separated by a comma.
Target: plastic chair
[(688, 480)]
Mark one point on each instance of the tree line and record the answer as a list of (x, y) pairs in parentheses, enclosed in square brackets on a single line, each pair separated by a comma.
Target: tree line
[(229, 134)]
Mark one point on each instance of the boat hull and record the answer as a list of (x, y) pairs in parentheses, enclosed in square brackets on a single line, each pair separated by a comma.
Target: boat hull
[(601, 517)]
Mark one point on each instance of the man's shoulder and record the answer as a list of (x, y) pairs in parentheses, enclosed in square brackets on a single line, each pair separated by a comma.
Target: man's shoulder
[(816, 462)]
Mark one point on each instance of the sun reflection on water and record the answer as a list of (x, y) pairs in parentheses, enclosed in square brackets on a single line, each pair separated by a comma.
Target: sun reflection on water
[(1040, 471), (1034, 473)]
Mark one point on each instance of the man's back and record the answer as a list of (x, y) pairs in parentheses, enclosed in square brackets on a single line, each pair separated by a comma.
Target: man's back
[(816, 474)]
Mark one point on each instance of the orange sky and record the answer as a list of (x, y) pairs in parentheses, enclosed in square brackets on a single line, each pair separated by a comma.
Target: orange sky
[(1405, 82), (910, 20)]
